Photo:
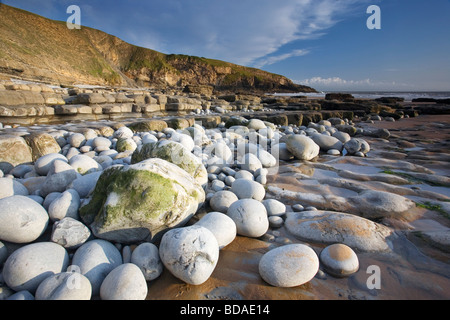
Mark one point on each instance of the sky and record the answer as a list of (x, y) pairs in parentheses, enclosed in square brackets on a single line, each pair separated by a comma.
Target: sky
[(325, 44)]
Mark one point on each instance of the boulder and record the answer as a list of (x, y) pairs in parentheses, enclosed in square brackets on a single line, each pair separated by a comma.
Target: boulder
[(65, 286), (339, 260), (250, 162), (148, 125), (28, 266), (274, 207), (355, 145), (336, 227), (125, 282), (222, 200), (60, 175), (289, 266), (65, 205), (139, 202), (123, 132), (250, 217), (190, 253), (44, 163), (84, 164), (327, 142), (42, 144), (70, 233), (11, 187), (95, 259), (221, 225), (146, 257), (302, 147), (248, 189), (13, 151), (22, 220), (373, 204)]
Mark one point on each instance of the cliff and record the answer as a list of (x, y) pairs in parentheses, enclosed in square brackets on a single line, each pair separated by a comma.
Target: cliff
[(36, 48)]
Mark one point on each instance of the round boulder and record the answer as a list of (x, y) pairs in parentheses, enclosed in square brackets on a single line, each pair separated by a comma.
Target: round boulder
[(22, 220), (289, 266), (64, 286), (28, 266), (125, 282), (221, 225), (222, 200), (146, 257), (302, 147), (96, 259), (274, 207), (248, 189), (339, 260), (190, 253), (250, 217)]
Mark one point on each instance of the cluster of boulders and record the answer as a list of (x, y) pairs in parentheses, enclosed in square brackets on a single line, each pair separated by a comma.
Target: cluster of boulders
[(82, 214)]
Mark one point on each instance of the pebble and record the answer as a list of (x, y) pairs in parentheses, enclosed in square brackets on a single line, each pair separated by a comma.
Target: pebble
[(250, 162), (339, 260), (222, 200), (275, 222), (221, 225), (244, 174), (146, 257), (123, 132), (96, 258), (10, 187), (101, 142), (66, 205), (190, 254), (70, 233), (29, 265), (250, 217), (217, 185), (289, 266), (298, 208), (248, 189), (326, 142), (125, 282), (21, 295), (76, 140), (126, 254), (84, 164), (64, 286), (61, 174), (302, 147), (274, 207), (85, 184), (22, 220)]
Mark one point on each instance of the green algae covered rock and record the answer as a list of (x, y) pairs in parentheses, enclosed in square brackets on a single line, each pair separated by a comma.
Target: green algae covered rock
[(139, 202), (175, 153)]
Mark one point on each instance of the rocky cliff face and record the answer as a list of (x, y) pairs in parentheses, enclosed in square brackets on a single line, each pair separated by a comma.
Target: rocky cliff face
[(36, 48)]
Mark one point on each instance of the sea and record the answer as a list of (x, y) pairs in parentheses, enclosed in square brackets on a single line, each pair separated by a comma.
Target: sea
[(408, 96)]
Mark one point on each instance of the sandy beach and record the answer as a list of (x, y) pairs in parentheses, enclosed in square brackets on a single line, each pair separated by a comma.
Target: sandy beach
[(415, 269)]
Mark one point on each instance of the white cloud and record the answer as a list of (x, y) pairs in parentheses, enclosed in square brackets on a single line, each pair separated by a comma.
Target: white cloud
[(251, 32), (266, 61), (337, 83)]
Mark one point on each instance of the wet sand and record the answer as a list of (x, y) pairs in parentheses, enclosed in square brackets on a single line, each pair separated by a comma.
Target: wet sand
[(415, 269)]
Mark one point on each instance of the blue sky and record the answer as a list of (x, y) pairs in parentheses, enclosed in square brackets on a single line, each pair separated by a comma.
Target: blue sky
[(322, 43)]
